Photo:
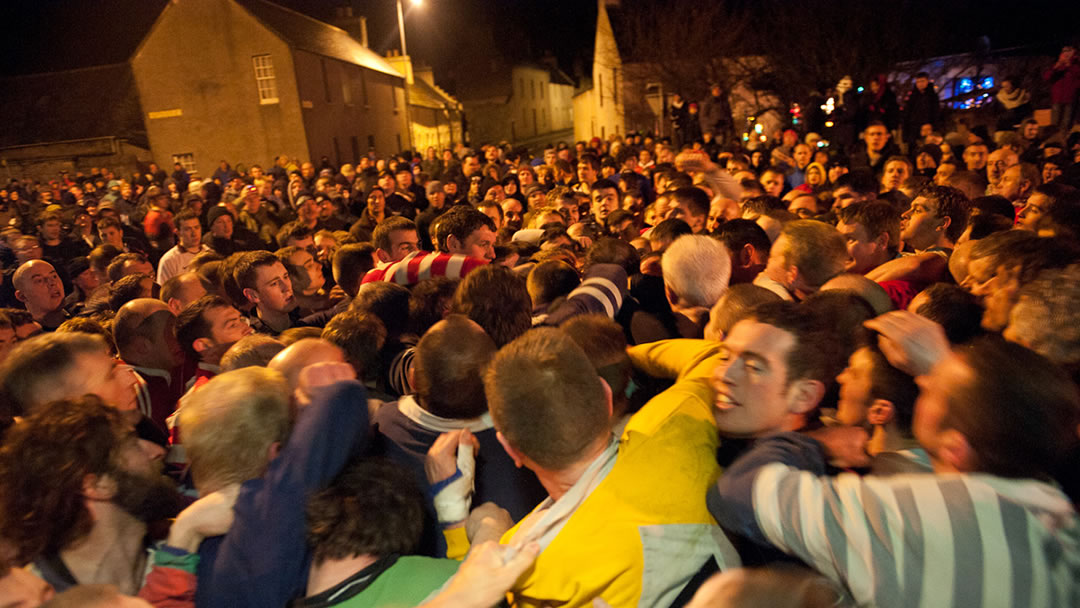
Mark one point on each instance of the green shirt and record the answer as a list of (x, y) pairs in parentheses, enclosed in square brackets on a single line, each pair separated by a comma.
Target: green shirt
[(391, 582)]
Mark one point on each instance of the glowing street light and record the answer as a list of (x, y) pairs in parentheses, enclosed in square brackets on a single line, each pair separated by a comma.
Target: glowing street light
[(404, 55)]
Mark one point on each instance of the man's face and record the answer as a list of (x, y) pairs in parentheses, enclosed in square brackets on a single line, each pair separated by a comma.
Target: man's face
[(644, 157), (856, 384), (311, 268), (604, 201), (512, 212), (924, 161), (437, 199), (1050, 172), (804, 206), (138, 267), (479, 244), (996, 288), (307, 170), (50, 230), (222, 226), (27, 249), (895, 174), (921, 83), (932, 406), (402, 243), (836, 171), (586, 173), (1031, 130), (113, 236), (471, 166), (802, 155), (274, 289), (1011, 184), (190, 233), (943, 173), (309, 211), (750, 380), (97, 373), (227, 325), (1037, 206), (919, 224), (876, 137), (8, 340), (404, 179), (773, 183), (975, 157), (865, 252), (997, 162), (42, 288), (387, 183)]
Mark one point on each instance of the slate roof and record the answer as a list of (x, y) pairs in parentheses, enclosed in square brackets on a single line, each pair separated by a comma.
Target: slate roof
[(308, 34)]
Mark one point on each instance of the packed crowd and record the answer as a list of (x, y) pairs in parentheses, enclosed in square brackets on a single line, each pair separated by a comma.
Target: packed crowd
[(627, 371)]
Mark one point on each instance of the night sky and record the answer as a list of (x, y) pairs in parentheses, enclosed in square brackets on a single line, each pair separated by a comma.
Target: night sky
[(49, 34)]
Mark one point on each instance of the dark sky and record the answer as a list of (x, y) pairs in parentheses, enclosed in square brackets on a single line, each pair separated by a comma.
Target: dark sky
[(48, 34)]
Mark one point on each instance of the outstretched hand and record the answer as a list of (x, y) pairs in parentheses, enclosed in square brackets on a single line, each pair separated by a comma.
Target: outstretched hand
[(485, 576)]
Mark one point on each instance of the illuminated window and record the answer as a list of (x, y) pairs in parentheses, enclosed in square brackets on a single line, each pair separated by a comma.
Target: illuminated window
[(186, 160), (987, 82), (964, 85), (265, 79)]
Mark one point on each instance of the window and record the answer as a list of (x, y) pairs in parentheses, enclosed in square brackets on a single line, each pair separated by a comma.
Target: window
[(355, 141), (532, 89), (337, 152), (363, 86), (600, 89), (186, 159), (346, 85), (371, 142), (393, 96), (542, 91), (265, 80), (536, 128), (325, 80)]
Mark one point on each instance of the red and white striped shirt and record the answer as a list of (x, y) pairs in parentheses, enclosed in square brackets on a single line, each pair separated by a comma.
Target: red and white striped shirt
[(421, 265)]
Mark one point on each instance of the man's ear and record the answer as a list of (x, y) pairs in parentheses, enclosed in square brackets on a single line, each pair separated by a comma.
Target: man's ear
[(881, 412), (510, 451), (382, 255), (19, 296), (946, 221), (272, 451), (175, 305), (791, 274), (251, 295), (99, 487), (805, 395), (607, 396), (744, 257), (882, 240), (410, 375), (955, 451), (201, 344), (452, 243)]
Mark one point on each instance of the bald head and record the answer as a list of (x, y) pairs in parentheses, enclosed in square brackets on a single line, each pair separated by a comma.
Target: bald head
[(38, 287), (303, 353), (145, 333), (863, 287), (181, 290), (958, 261), (449, 367)]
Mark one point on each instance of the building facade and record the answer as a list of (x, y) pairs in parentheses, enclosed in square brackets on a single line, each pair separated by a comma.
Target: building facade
[(598, 107)]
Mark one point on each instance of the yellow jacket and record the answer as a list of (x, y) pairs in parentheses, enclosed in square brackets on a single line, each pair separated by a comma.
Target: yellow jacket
[(639, 536)]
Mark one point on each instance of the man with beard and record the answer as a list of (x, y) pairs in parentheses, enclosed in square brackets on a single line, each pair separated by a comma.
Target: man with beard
[(77, 490)]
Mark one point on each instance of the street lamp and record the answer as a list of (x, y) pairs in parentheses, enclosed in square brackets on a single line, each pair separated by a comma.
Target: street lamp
[(408, 67)]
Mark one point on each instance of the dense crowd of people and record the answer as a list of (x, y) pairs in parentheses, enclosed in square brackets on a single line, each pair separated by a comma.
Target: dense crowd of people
[(635, 372)]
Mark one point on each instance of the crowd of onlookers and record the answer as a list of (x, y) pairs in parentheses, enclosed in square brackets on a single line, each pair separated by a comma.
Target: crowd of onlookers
[(629, 371)]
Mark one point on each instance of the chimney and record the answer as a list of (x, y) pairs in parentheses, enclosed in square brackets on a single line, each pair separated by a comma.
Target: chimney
[(355, 25)]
